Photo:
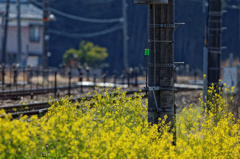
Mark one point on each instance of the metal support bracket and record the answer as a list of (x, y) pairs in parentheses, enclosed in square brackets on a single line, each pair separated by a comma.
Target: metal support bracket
[(174, 26), (176, 64), (161, 65), (157, 88), (178, 24), (152, 89)]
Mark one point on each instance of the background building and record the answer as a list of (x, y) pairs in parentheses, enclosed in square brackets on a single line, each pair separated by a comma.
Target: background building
[(31, 33)]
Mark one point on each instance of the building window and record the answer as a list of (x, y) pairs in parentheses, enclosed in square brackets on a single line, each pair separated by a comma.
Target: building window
[(34, 33)]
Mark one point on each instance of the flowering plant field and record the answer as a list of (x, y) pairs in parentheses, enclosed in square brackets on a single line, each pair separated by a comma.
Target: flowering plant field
[(117, 126)]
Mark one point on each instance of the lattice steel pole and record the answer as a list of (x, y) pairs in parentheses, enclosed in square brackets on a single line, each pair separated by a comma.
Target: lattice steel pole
[(161, 59), (214, 41), (161, 63)]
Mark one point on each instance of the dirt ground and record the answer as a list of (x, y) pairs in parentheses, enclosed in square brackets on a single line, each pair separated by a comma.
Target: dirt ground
[(183, 99)]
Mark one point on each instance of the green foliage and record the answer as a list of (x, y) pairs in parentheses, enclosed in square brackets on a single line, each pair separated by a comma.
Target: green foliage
[(88, 53)]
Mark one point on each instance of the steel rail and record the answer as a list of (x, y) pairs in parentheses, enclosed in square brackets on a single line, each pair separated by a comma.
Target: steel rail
[(27, 92), (42, 107), (7, 94)]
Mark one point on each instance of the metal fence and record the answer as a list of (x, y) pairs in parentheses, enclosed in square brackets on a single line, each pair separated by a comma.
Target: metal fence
[(17, 83)]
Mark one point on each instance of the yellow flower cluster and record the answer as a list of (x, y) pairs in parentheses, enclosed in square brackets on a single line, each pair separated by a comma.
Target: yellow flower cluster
[(116, 126)]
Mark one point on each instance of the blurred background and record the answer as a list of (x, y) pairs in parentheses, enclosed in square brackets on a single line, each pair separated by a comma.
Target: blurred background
[(94, 33)]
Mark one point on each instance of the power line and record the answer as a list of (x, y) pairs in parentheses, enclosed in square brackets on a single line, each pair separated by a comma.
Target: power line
[(86, 35), (91, 20), (86, 19)]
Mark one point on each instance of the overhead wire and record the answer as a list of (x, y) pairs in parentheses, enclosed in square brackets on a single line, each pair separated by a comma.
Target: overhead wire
[(91, 20), (86, 19), (83, 35), (87, 35)]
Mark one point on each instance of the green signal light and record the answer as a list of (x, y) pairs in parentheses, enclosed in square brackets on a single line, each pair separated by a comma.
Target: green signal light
[(146, 52)]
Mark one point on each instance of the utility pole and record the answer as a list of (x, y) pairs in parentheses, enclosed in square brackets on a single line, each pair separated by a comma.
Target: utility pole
[(4, 42), (19, 40), (2, 31), (125, 34), (161, 59), (27, 53), (214, 41), (239, 27), (45, 33), (203, 6)]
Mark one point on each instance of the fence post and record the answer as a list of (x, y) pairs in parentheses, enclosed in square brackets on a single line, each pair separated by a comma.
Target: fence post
[(31, 75), (3, 74), (15, 74), (88, 72), (24, 79), (28, 74), (123, 78), (58, 94), (195, 77), (37, 81), (128, 77), (104, 79), (79, 73), (48, 77), (238, 72), (55, 84), (31, 95), (80, 78), (136, 76), (69, 83), (43, 78), (10, 84), (114, 79), (94, 80)]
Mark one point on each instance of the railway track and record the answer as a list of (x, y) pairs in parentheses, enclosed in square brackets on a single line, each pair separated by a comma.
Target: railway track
[(42, 107), (15, 94)]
